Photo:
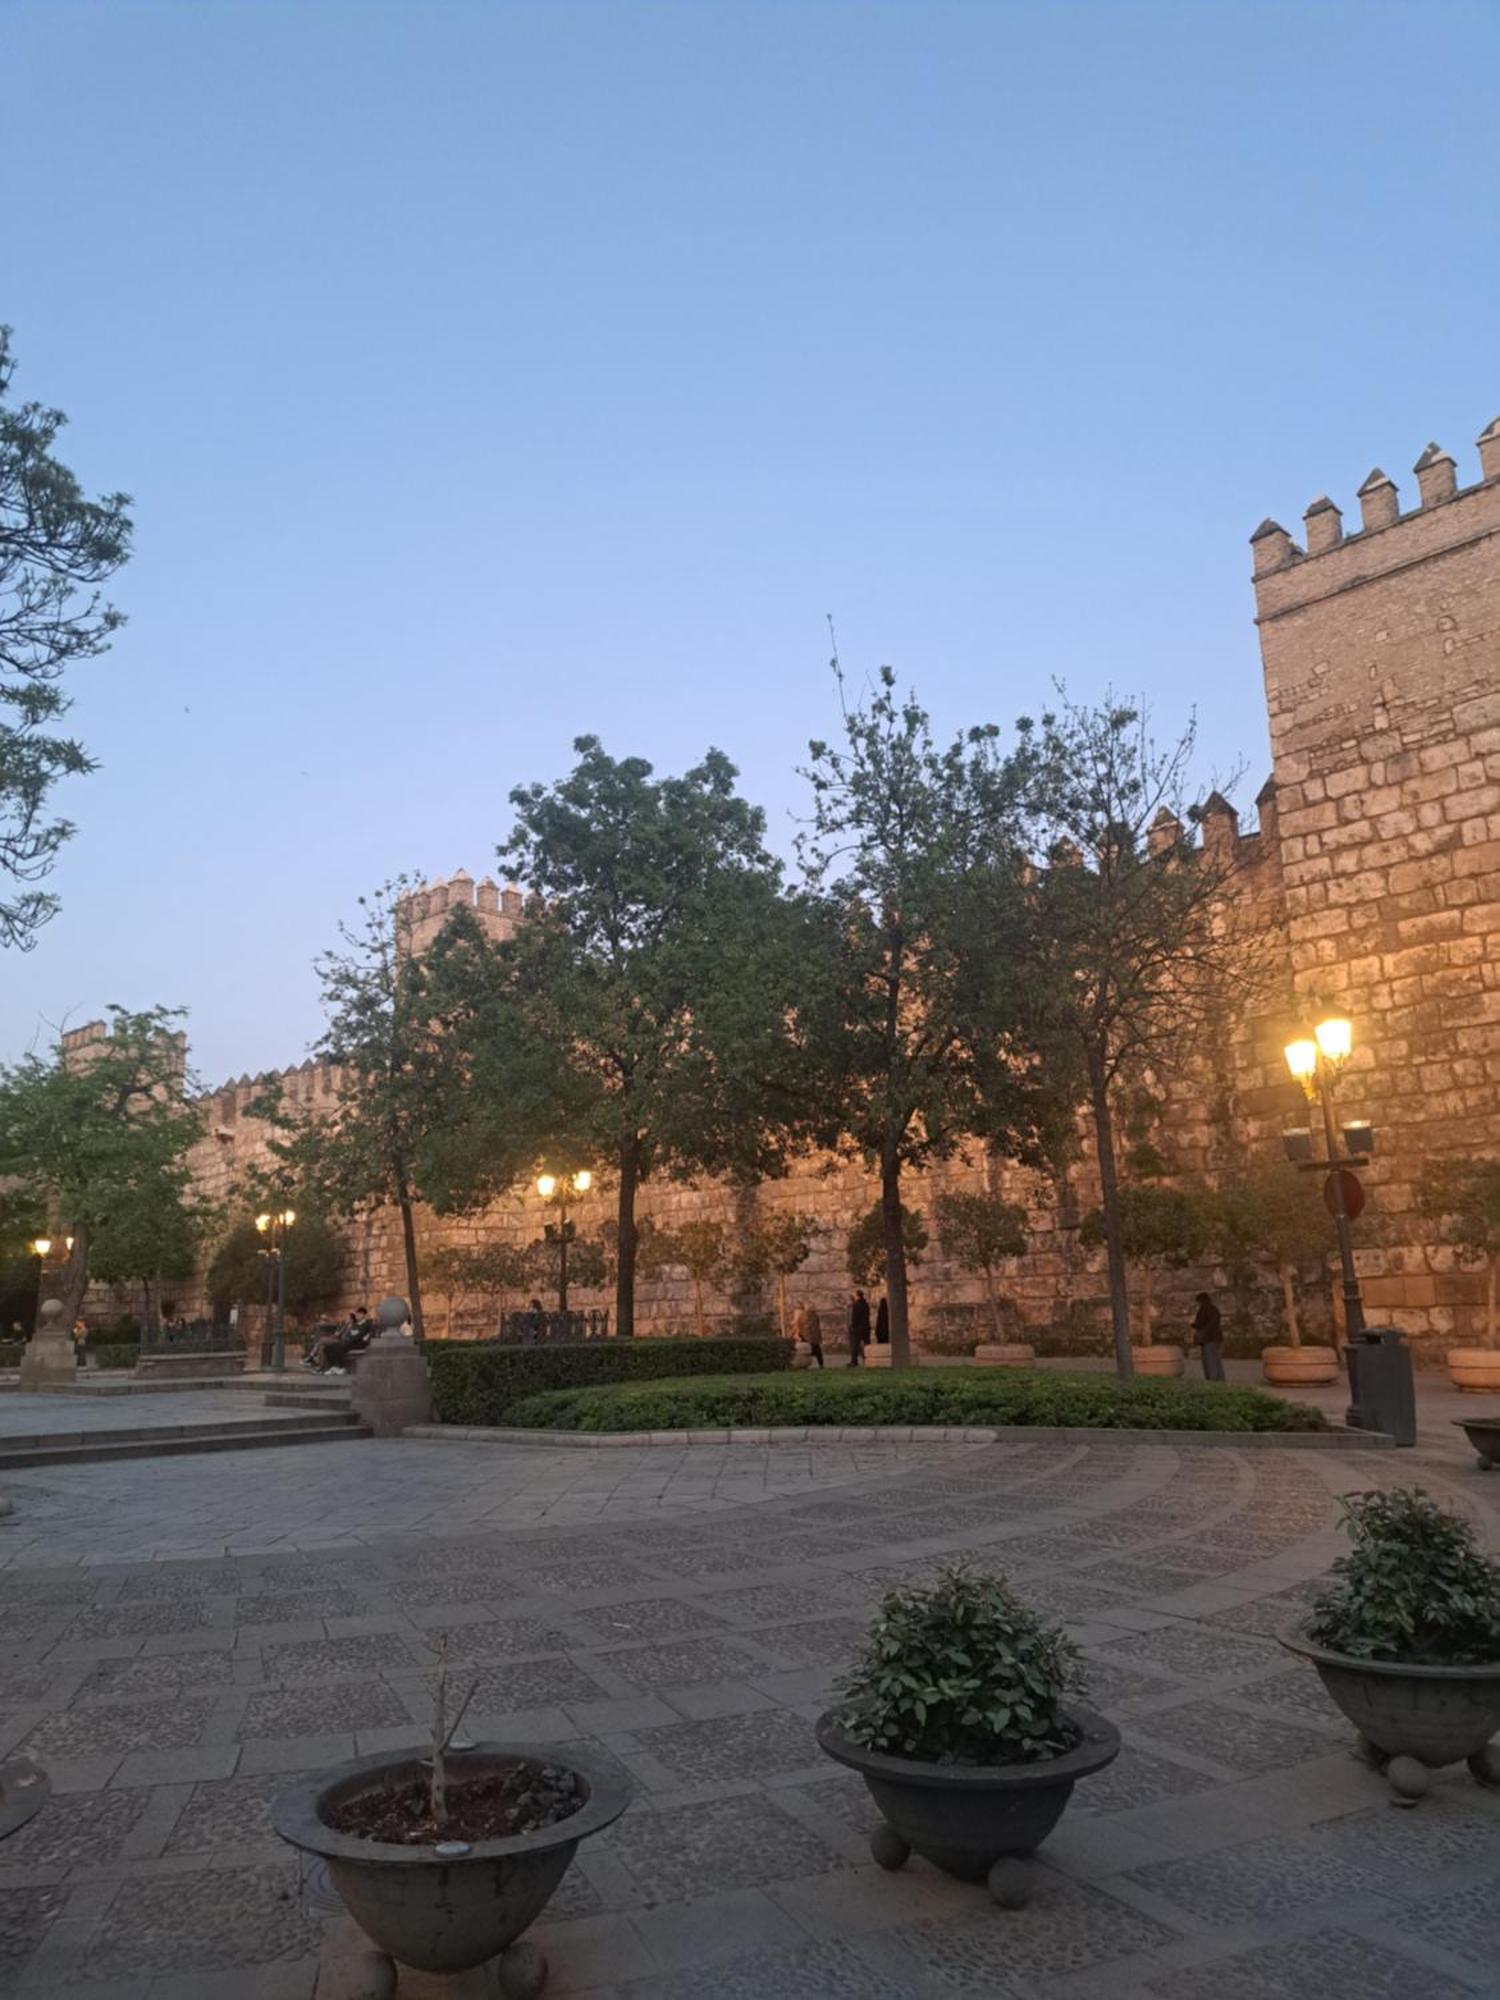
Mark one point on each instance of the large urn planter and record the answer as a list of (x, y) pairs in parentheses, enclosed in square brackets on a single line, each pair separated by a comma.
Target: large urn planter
[(1475, 1369), (1484, 1434), (1299, 1367), (1414, 1718), (1004, 1354), (1158, 1360), (449, 1907), (980, 1823)]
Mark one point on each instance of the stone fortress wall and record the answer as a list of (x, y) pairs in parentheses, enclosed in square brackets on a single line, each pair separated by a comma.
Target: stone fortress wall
[(1376, 857)]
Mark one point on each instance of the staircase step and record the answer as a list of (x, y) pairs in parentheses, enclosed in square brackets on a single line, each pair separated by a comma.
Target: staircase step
[(181, 1443)]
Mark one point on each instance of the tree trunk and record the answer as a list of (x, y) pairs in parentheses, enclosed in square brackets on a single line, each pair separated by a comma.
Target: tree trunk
[(1489, 1302), (1146, 1302), (409, 1245), (895, 1260), (781, 1301), (698, 1305), (630, 1173), (1109, 1201), (994, 1298), (1289, 1305), (74, 1279)]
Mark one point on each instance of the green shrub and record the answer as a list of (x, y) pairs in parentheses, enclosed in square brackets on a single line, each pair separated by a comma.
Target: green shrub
[(1413, 1587), (479, 1384), (959, 1671), (11, 1352), (115, 1353), (948, 1396)]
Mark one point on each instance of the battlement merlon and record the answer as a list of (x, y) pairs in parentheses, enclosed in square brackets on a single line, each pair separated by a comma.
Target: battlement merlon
[(422, 914), (1447, 518)]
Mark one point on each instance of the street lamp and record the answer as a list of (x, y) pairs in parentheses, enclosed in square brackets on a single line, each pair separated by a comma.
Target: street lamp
[(273, 1226), (556, 1189), (1317, 1061)]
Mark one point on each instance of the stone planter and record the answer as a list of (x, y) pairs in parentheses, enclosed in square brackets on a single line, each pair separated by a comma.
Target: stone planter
[(877, 1357), (802, 1354), (1475, 1369), (977, 1822), (1158, 1360), (446, 1909), (1414, 1718), (1294, 1366), (1004, 1354), (1484, 1434)]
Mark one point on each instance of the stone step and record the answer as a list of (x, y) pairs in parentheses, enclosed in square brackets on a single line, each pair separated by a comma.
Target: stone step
[(84, 1447)]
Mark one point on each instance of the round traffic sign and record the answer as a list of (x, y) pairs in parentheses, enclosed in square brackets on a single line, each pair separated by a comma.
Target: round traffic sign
[(1343, 1193)]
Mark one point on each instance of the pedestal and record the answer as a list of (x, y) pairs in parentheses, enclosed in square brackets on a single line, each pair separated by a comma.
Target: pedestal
[(50, 1361), (391, 1389)]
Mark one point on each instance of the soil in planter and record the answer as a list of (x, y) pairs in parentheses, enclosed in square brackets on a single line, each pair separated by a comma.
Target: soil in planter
[(521, 1798)]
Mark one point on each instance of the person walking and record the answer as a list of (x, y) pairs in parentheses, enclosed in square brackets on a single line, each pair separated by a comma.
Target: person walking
[(859, 1328), (812, 1332), (882, 1323), (1208, 1332)]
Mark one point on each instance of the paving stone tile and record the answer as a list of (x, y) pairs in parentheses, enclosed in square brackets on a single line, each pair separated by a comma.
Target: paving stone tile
[(1455, 1827), (1075, 1595), (736, 1843), (158, 1674), (1258, 1879), (574, 1896), (526, 1684), (1064, 1928), (733, 1746), (576, 1573), (1196, 1652), (1149, 1579), (1271, 1615), (1297, 1691), (1107, 1685), (309, 1661), (233, 1812), (26, 1916), (1333, 1965), (89, 1728), (313, 1711), (320, 1573), (138, 1621), (81, 1829), (498, 1638), (820, 1642), (1135, 1778), (649, 1618), (221, 1918), (831, 1970), (1466, 1922), (682, 1662), (1242, 1742), (293, 1607), (425, 1592), (22, 1685), (846, 1799), (776, 1603)]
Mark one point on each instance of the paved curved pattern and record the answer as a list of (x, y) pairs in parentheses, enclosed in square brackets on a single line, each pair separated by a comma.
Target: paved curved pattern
[(177, 1638)]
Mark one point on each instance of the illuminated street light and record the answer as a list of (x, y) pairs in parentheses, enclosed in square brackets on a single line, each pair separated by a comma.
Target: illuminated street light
[(555, 1190), (42, 1246), (274, 1226), (1315, 1061)]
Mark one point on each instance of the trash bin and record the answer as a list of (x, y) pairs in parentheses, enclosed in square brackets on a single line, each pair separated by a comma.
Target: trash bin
[(1382, 1393)]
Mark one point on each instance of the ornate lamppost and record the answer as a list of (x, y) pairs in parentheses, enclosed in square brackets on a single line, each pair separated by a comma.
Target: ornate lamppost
[(556, 1188), (273, 1227), (1317, 1062)]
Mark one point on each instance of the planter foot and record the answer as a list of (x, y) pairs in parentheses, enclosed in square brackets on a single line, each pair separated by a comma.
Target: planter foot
[(887, 1848), (1370, 1754), (1484, 1765), (355, 1970), (1011, 1883), (1408, 1780), (522, 1971)]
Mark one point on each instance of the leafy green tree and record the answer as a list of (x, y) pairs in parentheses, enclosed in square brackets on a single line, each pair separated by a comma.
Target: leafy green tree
[(1464, 1196), (152, 1235), (56, 548), (865, 1246), (95, 1135), (588, 1265), (913, 854), (1134, 944), (775, 1245), (1266, 1210), (240, 1271), (978, 1231), (699, 1248), (492, 1271), (641, 1017), (1159, 1227), (396, 1087)]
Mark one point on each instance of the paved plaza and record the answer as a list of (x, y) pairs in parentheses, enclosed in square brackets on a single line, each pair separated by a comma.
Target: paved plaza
[(178, 1637)]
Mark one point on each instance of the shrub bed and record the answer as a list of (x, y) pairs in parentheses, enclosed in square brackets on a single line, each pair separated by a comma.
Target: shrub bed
[(914, 1396), (115, 1353), (474, 1384)]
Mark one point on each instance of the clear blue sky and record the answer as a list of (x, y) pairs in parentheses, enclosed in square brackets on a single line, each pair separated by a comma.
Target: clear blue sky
[(485, 374)]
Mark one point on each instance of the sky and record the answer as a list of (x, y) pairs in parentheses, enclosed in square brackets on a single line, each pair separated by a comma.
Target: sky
[(487, 374)]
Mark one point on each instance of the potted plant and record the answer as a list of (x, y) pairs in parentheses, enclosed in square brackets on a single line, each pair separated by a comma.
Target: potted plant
[(1263, 1212), (1406, 1640), (443, 1861), (1159, 1225), (1463, 1198), (957, 1717), (977, 1231)]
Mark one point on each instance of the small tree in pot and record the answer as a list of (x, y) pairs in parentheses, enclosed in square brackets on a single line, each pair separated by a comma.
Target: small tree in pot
[(957, 1717), (1406, 1640), (1463, 1197)]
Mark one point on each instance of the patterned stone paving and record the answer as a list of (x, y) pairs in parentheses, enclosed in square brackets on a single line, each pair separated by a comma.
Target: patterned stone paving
[(180, 1640)]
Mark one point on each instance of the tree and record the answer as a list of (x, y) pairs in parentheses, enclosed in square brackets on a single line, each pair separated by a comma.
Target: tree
[(98, 1133), (240, 1271), (152, 1234), (641, 1017), (395, 1083), (1464, 1196), (56, 548), (699, 1248), (775, 1245), (913, 855), (1266, 1209), (587, 1263), (865, 1252), (493, 1270), (978, 1231), (1158, 1226), (1134, 942)]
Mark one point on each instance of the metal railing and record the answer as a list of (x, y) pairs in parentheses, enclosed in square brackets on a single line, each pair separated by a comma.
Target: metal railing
[(537, 1329), (197, 1336)]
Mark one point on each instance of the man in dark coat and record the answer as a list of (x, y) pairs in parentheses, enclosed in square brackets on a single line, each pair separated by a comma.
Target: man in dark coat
[(882, 1322), (859, 1328), (1208, 1331)]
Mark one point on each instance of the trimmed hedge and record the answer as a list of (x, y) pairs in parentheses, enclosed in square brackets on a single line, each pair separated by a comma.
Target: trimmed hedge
[(474, 1383), (116, 1353), (915, 1396)]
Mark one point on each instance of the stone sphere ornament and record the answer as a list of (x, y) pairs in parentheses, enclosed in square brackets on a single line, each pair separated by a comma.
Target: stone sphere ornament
[(888, 1849), (1408, 1779), (1485, 1764), (1010, 1883)]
